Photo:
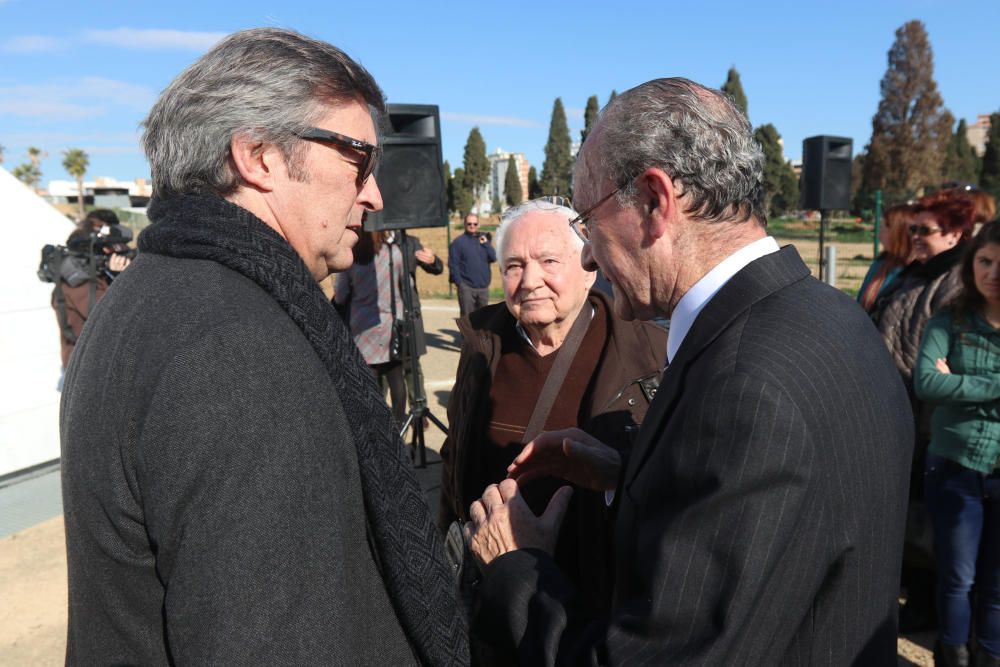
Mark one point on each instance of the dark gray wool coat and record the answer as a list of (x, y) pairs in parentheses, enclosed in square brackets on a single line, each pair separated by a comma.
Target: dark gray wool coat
[(213, 505)]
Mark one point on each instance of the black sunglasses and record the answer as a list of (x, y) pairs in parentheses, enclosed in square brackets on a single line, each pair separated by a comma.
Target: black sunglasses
[(372, 153), (923, 230)]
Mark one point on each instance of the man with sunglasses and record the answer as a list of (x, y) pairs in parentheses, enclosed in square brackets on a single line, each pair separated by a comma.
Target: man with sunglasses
[(759, 515), (469, 259), (235, 491)]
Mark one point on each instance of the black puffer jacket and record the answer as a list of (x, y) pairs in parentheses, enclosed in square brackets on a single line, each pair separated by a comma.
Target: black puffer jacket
[(903, 311)]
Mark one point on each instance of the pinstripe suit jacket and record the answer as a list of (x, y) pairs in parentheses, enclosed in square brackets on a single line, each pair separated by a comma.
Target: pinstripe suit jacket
[(760, 517)]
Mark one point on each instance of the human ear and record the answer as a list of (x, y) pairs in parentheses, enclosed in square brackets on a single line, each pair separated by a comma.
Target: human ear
[(659, 200), (255, 161)]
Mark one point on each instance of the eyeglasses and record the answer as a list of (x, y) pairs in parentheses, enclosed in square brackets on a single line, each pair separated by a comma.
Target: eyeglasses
[(923, 230), (555, 200), (372, 153), (580, 223)]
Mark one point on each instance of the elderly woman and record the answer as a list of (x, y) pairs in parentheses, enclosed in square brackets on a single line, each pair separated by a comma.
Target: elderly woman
[(551, 322)]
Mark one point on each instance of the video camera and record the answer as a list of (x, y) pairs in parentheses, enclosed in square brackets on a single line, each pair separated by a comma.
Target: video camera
[(85, 257)]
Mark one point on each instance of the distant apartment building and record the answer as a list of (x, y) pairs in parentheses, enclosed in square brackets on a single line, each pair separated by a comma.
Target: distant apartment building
[(495, 189), (102, 192), (977, 133)]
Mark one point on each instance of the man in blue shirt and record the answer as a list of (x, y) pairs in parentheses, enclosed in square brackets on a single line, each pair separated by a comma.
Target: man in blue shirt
[(469, 259)]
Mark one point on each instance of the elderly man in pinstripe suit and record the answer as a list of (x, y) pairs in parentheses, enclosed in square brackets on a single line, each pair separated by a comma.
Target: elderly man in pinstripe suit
[(759, 516)]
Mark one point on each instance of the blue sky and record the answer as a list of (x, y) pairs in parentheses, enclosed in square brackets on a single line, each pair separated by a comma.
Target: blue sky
[(84, 74)]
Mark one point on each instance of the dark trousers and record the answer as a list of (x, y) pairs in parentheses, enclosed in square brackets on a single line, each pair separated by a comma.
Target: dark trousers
[(472, 298), (964, 506), (392, 374)]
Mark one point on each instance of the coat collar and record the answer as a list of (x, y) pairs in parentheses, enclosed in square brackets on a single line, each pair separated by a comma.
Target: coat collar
[(756, 281)]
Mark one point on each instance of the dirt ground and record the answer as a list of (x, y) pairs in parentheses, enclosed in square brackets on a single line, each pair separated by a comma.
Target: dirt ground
[(33, 589)]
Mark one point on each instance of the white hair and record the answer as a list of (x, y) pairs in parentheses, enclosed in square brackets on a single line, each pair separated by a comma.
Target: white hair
[(515, 213)]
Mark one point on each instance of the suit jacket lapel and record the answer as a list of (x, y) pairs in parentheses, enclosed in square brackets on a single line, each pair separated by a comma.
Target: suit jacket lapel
[(757, 280)]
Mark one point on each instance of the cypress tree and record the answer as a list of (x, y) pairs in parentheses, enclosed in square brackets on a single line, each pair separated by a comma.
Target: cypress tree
[(589, 117), (961, 163), (446, 175), (512, 184), (477, 166), (781, 186), (558, 165), (460, 198), (734, 88), (534, 189), (989, 180)]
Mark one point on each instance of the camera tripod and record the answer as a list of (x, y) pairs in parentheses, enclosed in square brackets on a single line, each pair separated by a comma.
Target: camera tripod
[(418, 409)]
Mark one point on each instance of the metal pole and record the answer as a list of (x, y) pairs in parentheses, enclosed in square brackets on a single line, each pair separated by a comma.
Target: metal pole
[(831, 265), (878, 220), (448, 230), (823, 220)]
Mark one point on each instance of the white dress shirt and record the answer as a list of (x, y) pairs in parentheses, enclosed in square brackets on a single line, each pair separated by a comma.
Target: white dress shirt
[(696, 298), (701, 293)]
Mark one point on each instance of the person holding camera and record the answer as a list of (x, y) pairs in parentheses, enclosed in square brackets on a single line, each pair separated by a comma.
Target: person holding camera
[(95, 253), (469, 259)]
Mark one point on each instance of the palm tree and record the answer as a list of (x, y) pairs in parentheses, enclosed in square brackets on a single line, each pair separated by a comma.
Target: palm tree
[(28, 174), (36, 155), (75, 162)]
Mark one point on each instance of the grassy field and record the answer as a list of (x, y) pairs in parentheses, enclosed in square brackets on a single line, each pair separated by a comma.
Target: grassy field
[(853, 241)]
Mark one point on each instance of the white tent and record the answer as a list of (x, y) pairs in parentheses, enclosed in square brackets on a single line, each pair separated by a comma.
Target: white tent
[(29, 334)]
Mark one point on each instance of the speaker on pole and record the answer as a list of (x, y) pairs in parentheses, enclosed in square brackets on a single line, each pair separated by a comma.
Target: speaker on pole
[(410, 174), (826, 173)]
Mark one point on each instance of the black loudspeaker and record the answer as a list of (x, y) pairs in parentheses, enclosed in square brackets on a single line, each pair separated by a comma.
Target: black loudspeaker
[(826, 173), (410, 174)]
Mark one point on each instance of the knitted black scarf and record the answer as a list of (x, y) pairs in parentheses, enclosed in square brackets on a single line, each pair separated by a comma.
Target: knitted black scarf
[(410, 553)]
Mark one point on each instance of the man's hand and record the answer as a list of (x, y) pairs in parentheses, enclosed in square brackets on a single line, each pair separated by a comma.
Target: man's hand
[(425, 255), (502, 522), (118, 263), (942, 367), (569, 454)]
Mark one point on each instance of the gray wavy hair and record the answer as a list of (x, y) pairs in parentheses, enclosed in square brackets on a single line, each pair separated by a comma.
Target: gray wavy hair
[(697, 136), (544, 204), (267, 83)]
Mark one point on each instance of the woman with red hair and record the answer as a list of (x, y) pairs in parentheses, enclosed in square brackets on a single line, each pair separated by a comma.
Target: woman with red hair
[(894, 235)]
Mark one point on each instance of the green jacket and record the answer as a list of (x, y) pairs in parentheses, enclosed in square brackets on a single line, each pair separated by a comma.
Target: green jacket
[(965, 427)]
